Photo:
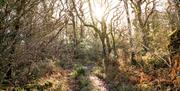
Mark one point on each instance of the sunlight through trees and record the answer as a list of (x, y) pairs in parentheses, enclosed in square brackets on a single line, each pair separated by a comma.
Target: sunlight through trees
[(75, 45)]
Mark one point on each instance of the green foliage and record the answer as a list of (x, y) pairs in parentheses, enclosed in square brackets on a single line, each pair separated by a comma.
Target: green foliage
[(37, 86), (19, 89), (2, 2), (23, 21), (48, 84), (88, 51), (79, 74), (84, 82), (78, 70), (99, 72), (158, 63)]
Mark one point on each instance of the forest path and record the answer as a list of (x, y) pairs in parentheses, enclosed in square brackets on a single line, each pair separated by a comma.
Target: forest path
[(71, 84), (99, 84)]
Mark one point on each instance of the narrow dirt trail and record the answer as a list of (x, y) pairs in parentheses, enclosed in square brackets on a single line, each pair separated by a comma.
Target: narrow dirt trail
[(62, 80), (98, 83)]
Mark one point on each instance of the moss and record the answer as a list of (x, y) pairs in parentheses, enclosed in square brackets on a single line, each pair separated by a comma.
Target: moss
[(19, 89)]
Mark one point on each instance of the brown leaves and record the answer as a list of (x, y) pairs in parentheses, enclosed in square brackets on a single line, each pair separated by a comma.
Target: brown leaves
[(175, 77), (144, 77)]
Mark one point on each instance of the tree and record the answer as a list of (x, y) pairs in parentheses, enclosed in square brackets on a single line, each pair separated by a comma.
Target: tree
[(101, 27), (142, 18), (27, 31), (174, 37), (129, 30)]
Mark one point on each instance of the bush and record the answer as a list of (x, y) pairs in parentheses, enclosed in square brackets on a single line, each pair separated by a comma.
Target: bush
[(84, 82), (158, 63), (78, 70)]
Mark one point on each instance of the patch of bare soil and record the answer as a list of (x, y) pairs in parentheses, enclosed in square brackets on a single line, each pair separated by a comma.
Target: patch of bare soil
[(99, 84)]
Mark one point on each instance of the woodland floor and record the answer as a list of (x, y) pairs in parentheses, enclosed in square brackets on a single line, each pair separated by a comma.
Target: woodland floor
[(122, 78), (63, 81)]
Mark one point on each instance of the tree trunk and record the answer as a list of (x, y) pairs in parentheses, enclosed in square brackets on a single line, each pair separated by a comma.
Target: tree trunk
[(74, 35), (174, 44), (129, 31), (145, 41)]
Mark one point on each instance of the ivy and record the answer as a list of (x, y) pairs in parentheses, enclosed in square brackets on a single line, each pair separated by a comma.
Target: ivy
[(2, 2)]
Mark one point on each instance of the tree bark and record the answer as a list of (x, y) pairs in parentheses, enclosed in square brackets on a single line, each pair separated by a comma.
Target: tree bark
[(129, 31)]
